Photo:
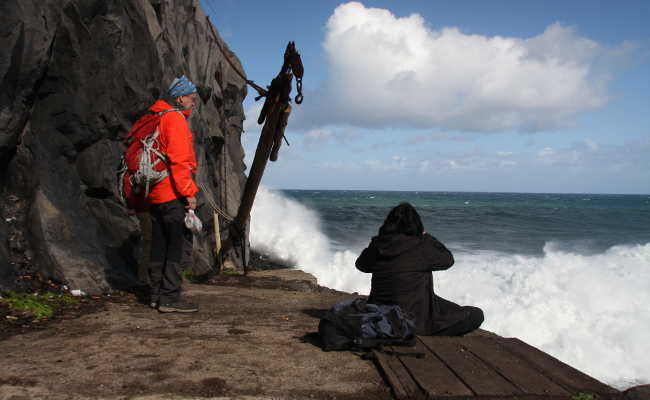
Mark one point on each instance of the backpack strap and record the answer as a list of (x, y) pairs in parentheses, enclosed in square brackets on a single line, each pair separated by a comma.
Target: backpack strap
[(395, 323), (154, 137), (149, 145)]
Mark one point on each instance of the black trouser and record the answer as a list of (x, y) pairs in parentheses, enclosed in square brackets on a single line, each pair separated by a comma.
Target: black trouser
[(169, 246), (473, 319)]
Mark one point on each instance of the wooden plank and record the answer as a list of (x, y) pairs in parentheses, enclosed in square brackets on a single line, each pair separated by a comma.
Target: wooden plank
[(391, 375), (478, 376), (398, 377), (561, 373), (513, 368), (432, 375)]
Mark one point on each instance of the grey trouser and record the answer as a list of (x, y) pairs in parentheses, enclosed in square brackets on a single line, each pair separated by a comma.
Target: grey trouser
[(170, 240)]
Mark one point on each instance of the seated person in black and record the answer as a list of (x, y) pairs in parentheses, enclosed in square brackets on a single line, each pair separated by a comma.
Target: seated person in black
[(401, 259)]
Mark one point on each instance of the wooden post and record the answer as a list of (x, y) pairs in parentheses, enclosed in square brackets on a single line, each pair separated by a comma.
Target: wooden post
[(257, 170), (279, 132), (217, 234)]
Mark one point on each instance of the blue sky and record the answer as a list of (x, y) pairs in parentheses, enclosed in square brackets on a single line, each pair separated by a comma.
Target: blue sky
[(510, 96)]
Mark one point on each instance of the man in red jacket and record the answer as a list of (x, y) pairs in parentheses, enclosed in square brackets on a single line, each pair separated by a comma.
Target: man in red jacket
[(171, 198)]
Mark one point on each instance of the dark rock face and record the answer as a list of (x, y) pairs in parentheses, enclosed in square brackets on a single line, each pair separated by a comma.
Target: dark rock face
[(641, 392), (75, 75)]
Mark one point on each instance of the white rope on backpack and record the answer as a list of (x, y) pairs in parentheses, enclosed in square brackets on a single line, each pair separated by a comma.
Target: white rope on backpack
[(146, 174), (154, 140)]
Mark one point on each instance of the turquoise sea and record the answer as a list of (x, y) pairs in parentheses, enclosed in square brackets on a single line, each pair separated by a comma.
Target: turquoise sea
[(519, 223)]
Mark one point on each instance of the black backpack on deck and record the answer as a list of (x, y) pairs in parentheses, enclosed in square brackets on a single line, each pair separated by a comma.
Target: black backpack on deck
[(357, 325)]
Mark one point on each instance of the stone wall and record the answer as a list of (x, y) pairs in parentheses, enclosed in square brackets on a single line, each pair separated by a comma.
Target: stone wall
[(75, 75)]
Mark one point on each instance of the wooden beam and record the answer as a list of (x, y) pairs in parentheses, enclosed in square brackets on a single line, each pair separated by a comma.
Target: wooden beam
[(259, 164), (513, 368), (479, 377), (399, 379), (561, 373), (433, 376)]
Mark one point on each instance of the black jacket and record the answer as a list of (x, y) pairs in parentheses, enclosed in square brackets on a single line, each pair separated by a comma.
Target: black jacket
[(401, 268)]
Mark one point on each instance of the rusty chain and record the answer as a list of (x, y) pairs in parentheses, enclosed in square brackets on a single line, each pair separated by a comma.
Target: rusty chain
[(299, 96)]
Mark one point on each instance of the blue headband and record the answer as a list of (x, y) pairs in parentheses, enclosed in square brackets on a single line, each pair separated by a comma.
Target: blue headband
[(181, 87)]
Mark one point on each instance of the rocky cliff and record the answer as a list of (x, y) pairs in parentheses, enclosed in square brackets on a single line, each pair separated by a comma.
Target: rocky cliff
[(75, 74)]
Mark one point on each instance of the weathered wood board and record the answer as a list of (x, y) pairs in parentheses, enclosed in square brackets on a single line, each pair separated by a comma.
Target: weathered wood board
[(483, 367)]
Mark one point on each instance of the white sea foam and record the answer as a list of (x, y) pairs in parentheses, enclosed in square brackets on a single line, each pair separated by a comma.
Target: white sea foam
[(290, 231), (590, 311)]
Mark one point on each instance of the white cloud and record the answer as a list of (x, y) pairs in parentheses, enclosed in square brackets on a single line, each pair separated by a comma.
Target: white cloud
[(439, 136), (546, 152), (339, 165), (590, 145), (612, 168), (424, 166), (250, 123), (577, 155), (316, 139), (453, 164), (393, 165), (319, 134), (386, 70)]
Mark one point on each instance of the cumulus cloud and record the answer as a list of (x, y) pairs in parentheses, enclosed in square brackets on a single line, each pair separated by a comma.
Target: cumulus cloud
[(439, 136), (386, 70), (580, 157), (591, 156), (316, 138), (252, 112)]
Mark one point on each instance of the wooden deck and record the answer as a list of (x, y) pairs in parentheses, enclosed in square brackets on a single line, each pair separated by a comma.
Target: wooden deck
[(483, 367)]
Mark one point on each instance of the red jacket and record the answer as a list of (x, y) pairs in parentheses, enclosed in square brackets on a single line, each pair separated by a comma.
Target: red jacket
[(175, 142)]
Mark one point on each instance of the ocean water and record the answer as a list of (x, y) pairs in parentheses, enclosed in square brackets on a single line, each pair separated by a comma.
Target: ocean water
[(568, 273)]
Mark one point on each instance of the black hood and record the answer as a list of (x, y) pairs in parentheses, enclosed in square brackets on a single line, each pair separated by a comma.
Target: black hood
[(399, 252), (390, 246)]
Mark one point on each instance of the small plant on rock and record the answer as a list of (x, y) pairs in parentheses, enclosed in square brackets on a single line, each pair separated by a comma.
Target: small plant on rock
[(583, 396)]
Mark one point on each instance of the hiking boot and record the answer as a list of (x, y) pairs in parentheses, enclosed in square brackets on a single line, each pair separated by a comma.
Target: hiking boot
[(178, 306), (154, 301)]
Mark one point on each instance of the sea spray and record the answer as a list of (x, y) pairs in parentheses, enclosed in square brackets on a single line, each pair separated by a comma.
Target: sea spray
[(290, 231), (587, 310)]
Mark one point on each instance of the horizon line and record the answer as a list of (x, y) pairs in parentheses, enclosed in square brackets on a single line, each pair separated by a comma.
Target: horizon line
[(465, 191)]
